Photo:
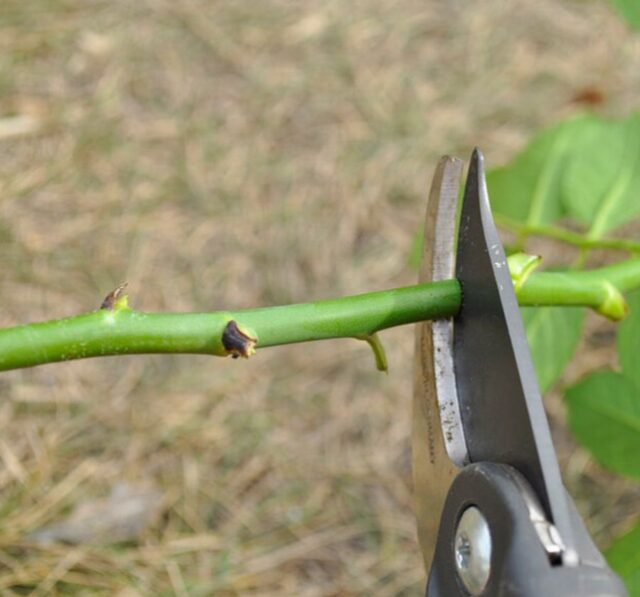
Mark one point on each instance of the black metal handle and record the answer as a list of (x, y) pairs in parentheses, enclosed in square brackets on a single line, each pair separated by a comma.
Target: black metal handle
[(493, 542)]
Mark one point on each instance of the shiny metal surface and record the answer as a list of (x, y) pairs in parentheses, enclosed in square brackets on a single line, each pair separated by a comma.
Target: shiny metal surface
[(502, 411), (472, 546), (433, 470)]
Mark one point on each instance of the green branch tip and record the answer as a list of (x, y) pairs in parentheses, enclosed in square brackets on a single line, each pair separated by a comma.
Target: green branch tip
[(614, 306)]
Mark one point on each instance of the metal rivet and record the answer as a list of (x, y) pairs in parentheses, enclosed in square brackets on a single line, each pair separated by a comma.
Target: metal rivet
[(472, 550)]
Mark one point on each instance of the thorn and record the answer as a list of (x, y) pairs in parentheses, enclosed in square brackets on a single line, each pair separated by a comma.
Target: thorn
[(115, 299), (238, 342), (378, 351)]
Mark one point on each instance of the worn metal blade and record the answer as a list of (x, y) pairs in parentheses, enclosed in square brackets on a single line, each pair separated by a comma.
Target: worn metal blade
[(502, 410), (435, 434)]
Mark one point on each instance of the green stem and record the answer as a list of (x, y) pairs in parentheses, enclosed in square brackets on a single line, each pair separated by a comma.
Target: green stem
[(124, 331), (524, 230), (121, 330), (601, 289)]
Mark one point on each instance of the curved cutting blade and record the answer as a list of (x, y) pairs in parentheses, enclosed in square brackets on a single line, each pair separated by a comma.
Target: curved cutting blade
[(437, 437), (502, 411)]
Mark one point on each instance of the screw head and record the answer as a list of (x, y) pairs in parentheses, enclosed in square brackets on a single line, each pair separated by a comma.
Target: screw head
[(472, 550)]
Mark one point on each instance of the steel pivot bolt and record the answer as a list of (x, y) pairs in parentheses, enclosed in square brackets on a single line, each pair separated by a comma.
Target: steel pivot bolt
[(472, 550)]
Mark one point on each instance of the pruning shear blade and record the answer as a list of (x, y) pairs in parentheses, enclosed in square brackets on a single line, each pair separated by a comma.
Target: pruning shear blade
[(475, 393)]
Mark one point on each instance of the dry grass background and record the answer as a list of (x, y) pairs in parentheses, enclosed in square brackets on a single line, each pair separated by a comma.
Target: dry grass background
[(226, 154)]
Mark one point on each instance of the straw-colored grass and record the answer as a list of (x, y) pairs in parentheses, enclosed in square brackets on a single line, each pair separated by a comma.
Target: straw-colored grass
[(235, 153)]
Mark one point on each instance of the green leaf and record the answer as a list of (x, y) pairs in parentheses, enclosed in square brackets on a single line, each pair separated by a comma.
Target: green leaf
[(587, 167), (529, 189), (601, 185), (630, 10), (553, 334), (629, 340), (604, 416), (624, 557)]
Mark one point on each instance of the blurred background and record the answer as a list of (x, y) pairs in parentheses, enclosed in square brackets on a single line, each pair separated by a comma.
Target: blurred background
[(226, 154)]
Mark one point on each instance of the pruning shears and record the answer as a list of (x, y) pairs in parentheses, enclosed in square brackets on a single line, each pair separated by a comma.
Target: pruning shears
[(494, 517)]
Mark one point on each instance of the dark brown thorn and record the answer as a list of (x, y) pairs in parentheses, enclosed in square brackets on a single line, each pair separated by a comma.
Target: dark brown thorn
[(237, 342), (110, 300)]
